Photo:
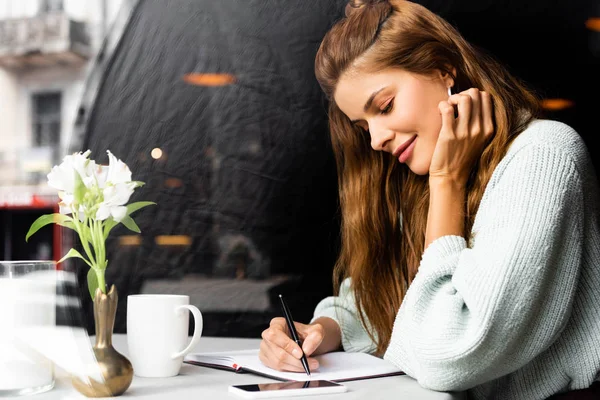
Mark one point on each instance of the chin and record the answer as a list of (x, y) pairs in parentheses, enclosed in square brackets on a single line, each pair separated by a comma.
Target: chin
[(418, 169)]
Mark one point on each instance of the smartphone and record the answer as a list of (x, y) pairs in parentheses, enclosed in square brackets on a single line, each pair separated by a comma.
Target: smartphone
[(284, 389)]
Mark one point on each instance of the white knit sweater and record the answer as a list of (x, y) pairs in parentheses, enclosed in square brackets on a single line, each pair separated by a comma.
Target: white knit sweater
[(517, 314)]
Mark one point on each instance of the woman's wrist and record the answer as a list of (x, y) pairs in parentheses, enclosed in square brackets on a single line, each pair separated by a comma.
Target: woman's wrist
[(447, 206), (447, 184)]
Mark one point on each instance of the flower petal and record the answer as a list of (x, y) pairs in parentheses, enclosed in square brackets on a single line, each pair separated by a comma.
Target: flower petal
[(79, 162), (64, 208), (118, 171), (66, 197), (103, 212), (101, 174), (118, 213), (118, 195), (62, 177)]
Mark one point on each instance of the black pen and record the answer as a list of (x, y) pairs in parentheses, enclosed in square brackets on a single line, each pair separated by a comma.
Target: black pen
[(292, 328)]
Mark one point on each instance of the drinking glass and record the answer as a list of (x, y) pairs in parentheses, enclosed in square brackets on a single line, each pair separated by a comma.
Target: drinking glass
[(27, 308)]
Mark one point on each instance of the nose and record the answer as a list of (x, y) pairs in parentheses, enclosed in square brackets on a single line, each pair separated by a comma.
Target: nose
[(380, 136)]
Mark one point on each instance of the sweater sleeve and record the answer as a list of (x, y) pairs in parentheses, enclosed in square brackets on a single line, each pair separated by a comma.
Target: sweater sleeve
[(342, 309), (473, 314)]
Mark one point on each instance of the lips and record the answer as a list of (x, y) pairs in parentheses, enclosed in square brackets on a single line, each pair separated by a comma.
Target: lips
[(403, 146)]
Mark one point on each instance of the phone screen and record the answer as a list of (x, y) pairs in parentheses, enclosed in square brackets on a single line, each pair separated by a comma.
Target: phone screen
[(269, 387)]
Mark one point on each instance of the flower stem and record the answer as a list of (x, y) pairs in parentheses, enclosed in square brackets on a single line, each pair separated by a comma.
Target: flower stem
[(79, 229), (99, 244), (101, 281)]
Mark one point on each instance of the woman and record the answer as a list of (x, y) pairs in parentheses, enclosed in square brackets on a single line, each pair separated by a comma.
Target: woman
[(470, 227)]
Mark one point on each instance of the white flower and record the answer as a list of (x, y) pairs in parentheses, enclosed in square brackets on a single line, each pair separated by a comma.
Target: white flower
[(66, 201), (115, 197), (100, 175), (115, 172), (65, 206), (62, 177), (108, 187), (96, 196), (117, 188), (118, 171)]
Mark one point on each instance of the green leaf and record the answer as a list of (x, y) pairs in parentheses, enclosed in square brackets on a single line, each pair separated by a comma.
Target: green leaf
[(92, 281), (79, 190), (67, 224), (130, 224), (133, 207), (73, 253), (60, 219), (127, 221), (108, 225)]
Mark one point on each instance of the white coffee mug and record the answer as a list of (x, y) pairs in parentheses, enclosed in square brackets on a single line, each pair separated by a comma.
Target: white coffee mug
[(157, 332)]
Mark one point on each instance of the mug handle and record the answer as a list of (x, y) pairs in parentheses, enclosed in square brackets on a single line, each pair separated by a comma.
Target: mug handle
[(197, 329)]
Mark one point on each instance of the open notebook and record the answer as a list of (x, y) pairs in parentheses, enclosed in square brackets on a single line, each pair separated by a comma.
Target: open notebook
[(337, 366)]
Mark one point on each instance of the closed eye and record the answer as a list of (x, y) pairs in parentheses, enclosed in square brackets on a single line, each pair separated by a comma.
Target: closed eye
[(388, 108)]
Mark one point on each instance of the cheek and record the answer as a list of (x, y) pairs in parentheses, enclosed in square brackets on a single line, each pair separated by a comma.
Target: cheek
[(421, 159), (419, 112), (428, 137), (431, 122)]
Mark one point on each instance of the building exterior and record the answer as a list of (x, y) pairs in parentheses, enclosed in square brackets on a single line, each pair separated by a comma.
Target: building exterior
[(47, 48)]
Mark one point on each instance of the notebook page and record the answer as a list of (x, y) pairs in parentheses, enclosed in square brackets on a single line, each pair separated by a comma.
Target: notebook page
[(332, 366)]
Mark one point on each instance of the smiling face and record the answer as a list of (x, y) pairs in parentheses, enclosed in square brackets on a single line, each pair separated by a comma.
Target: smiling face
[(398, 108)]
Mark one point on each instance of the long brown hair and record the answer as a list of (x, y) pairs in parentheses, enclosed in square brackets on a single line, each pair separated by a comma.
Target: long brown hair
[(384, 205)]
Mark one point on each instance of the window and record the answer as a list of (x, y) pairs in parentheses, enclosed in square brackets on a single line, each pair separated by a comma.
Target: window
[(47, 6), (46, 116)]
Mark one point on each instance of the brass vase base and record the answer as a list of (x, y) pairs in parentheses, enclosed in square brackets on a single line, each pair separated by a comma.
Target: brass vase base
[(115, 368)]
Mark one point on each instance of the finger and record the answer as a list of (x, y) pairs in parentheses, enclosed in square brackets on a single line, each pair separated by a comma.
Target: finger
[(313, 339), (283, 360), (278, 359), (304, 330), (279, 323), (447, 112), (475, 121), (463, 102), (278, 338), (487, 112)]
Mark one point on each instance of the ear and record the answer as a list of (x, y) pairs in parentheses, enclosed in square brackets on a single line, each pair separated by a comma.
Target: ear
[(446, 77)]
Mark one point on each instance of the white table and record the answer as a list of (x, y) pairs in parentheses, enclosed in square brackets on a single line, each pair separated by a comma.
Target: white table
[(202, 383)]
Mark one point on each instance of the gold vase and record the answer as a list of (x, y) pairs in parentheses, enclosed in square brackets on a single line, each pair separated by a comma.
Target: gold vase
[(116, 368)]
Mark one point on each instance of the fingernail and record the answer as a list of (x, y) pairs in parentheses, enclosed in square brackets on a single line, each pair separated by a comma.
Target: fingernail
[(297, 353)]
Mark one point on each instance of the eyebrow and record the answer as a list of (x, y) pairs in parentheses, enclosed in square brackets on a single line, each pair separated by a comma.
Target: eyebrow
[(369, 102)]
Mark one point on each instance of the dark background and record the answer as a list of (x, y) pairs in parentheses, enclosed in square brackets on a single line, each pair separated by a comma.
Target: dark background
[(546, 43), (247, 172)]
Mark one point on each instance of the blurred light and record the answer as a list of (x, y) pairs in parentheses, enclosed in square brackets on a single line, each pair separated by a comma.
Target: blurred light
[(173, 240), (156, 153), (556, 104), (209, 79), (173, 183), (130, 240), (593, 24)]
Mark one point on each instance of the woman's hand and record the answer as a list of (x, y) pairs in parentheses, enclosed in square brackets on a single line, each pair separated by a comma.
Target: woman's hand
[(280, 352), (462, 139)]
